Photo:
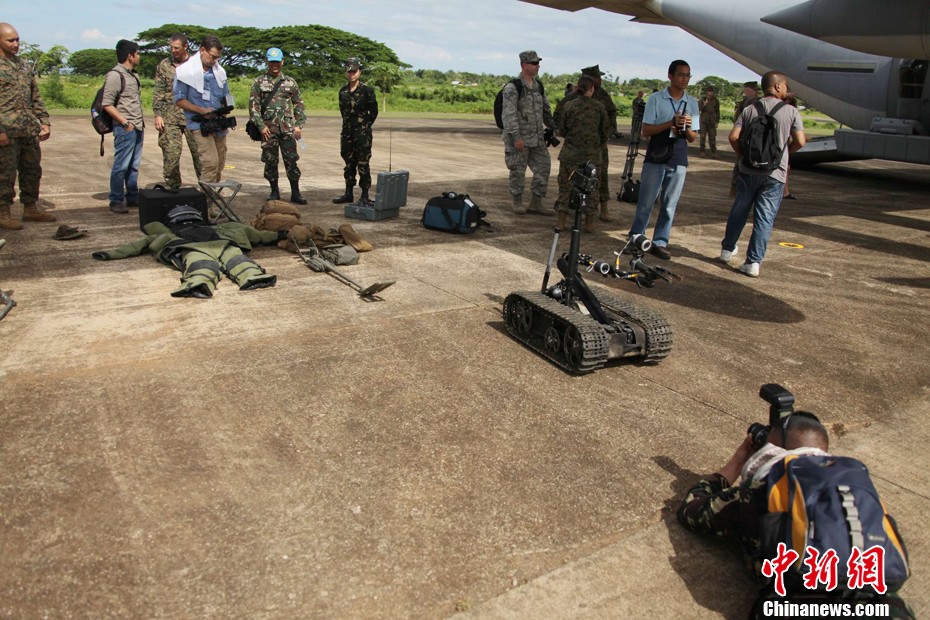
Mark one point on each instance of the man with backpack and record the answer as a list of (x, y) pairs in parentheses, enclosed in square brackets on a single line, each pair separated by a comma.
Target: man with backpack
[(792, 469), (23, 125), (526, 117), (763, 135), (122, 100)]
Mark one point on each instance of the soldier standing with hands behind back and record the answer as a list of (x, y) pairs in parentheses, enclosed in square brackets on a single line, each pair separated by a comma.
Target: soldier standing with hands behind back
[(23, 124), (275, 106), (359, 107), (710, 118), (169, 119)]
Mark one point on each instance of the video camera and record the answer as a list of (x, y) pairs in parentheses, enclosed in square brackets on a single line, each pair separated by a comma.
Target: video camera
[(781, 405), (215, 120), (549, 136)]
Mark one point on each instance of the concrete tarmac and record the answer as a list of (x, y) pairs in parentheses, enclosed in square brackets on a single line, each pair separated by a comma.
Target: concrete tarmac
[(298, 452)]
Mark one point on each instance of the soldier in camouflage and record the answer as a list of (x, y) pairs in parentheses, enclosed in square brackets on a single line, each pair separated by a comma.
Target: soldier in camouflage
[(24, 122), (709, 106), (585, 125), (169, 119), (526, 116), (281, 123), (600, 94), (359, 107)]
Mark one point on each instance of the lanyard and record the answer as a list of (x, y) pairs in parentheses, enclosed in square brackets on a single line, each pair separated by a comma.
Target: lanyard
[(683, 105)]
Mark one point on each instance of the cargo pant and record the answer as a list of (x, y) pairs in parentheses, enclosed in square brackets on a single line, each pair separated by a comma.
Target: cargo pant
[(23, 157), (204, 263), (288, 146), (355, 149), (602, 176), (170, 141), (212, 150), (538, 160)]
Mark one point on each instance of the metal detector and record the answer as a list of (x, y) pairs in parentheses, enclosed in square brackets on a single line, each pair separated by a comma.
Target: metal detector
[(313, 258)]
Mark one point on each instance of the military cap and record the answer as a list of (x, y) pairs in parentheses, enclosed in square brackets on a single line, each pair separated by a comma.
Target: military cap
[(594, 71), (529, 56), (751, 85), (352, 64), (274, 55)]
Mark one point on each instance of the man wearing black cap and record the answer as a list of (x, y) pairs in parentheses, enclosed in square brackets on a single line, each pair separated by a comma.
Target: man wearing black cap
[(359, 107), (607, 101), (526, 116)]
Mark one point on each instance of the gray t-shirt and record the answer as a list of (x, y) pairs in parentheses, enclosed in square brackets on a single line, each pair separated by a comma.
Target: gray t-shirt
[(129, 103), (788, 120)]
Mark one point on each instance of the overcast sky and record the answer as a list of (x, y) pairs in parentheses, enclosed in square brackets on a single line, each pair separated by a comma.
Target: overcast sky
[(482, 36)]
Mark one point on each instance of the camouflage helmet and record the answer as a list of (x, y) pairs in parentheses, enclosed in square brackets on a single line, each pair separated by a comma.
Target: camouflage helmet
[(183, 214)]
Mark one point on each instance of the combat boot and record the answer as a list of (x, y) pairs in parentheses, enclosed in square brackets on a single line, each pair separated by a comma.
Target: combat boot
[(6, 220), (518, 207), (296, 198), (536, 205), (32, 213), (275, 192), (589, 222), (604, 215), (348, 197), (364, 200)]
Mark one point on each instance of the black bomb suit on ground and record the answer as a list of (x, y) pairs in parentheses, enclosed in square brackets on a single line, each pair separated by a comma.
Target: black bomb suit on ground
[(202, 252)]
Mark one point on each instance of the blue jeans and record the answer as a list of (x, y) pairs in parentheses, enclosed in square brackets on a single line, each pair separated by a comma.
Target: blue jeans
[(127, 155), (655, 178), (763, 194)]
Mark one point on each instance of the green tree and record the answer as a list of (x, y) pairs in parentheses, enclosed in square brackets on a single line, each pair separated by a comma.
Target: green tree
[(312, 53), (92, 61), (384, 76)]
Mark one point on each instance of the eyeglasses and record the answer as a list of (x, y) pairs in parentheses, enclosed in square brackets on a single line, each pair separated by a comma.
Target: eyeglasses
[(214, 56), (533, 62)]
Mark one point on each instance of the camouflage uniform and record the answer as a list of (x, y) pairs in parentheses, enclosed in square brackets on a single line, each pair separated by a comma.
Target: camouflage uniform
[(22, 115), (283, 113), (359, 110), (169, 140), (526, 118), (585, 125), (710, 118), (714, 506)]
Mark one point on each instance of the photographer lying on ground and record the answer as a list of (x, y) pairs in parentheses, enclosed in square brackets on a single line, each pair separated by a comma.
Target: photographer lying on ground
[(789, 484)]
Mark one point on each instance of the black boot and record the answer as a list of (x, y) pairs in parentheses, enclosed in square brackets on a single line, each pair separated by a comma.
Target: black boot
[(348, 197), (363, 200), (275, 193), (296, 198)]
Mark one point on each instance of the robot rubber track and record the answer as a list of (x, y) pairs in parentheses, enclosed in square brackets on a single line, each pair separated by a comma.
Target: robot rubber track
[(576, 342)]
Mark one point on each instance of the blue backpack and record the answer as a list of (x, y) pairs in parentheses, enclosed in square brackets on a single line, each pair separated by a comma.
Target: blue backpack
[(828, 502)]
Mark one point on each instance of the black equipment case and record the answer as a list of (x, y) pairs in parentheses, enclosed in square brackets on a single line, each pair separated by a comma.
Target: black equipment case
[(155, 203)]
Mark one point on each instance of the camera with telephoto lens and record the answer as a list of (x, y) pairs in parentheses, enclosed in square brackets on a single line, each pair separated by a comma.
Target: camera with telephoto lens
[(549, 136), (781, 405), (215, 121)]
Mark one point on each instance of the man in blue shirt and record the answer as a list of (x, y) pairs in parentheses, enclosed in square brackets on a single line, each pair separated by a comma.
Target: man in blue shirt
[(668, 124), (200, 86)]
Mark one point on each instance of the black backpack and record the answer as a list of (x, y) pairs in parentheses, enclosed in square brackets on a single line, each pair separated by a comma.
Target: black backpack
[(762, 149), (499, 100), (103, 122)]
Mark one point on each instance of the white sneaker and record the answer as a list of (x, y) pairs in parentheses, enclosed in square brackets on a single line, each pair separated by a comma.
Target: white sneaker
[(750, 269), (726, 255)]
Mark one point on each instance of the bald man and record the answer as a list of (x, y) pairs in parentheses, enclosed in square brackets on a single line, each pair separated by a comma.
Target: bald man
[(23, 124)]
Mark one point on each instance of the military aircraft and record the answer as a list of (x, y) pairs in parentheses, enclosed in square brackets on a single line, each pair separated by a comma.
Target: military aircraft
[(862, 62)]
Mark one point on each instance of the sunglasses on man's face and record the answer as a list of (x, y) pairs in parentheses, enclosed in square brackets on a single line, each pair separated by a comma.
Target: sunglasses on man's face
[(533, 62)]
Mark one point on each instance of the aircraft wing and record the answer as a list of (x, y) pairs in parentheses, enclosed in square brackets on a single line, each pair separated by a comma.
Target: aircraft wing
[(634, 8)]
